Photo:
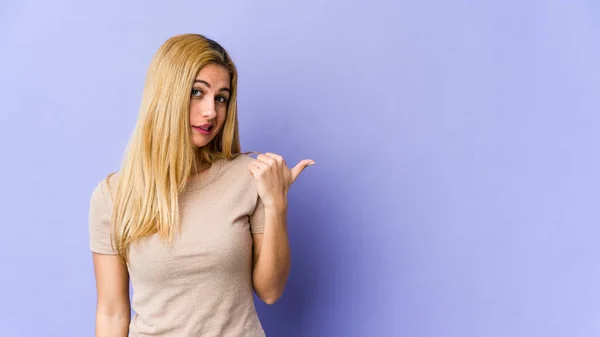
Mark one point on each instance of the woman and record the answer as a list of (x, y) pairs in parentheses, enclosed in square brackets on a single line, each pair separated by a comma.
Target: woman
[(196, 225)]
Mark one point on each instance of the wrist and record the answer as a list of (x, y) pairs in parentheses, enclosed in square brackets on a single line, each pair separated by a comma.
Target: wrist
[(277, 207)]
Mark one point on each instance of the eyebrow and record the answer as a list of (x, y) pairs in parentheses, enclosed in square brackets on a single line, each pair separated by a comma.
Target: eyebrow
[(208, 85)]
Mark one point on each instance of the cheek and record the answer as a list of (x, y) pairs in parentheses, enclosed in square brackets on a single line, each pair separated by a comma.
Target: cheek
[(222, 114), (193, 107)]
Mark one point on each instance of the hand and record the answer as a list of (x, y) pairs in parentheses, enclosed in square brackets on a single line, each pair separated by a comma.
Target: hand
[(274, 178)]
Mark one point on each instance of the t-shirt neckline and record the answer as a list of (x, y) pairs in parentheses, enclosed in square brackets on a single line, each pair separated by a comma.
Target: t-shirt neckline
[(198, 181)]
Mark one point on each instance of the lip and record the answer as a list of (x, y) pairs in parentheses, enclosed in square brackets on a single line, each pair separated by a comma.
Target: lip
[(201, 128)]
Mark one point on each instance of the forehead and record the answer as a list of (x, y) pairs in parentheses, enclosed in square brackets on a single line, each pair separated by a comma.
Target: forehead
[(214, 74)]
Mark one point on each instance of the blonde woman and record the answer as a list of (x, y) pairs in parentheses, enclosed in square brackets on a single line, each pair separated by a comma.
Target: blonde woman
[(192, 222)]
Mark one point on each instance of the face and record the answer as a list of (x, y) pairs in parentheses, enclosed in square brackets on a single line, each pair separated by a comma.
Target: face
[(208, 103)]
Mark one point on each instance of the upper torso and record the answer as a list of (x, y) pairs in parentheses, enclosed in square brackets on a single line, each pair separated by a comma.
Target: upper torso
[(200, 284)]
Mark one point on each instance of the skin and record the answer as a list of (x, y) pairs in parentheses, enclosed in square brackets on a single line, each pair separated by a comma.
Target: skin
[(113, 310), (208, 102), (271, 250)]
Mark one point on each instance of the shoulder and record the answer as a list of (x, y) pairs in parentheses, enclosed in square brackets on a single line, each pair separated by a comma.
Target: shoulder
[(99, 217), (235, 172), (103, 191), (242, 159), (238, 164)]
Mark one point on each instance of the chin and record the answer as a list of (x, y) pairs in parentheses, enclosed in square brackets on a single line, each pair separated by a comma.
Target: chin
[(201, 141)]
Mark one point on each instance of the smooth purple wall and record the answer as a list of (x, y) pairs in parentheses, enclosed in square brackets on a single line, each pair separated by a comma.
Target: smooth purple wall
[(456, 191)]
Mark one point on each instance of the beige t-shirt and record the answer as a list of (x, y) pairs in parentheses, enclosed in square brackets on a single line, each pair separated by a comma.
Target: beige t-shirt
[(202, 284)]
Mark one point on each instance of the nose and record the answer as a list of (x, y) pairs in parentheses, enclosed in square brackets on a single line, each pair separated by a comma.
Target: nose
[(208, 109)]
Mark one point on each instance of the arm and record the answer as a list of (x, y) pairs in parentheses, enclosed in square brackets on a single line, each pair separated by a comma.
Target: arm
[(112, 285), (271, 256), (271, 248)]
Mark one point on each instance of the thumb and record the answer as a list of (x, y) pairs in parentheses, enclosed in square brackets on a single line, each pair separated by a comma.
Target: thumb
[(300, 167)]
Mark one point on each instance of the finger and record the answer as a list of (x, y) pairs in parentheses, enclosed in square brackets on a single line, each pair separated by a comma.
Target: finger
[(254, 169), (278, 158), (265, 159), (259, 164), (300, 167)]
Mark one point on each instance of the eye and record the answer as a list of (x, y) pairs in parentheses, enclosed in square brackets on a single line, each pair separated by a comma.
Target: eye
[(196, 93), (221, 99)]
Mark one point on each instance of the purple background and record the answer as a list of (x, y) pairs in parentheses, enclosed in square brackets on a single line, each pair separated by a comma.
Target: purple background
[(456, 191)]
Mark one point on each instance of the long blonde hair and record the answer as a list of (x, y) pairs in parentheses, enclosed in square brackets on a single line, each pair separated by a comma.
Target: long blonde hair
[(160, 154)]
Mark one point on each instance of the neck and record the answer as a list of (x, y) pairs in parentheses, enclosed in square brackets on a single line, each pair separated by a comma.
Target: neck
[(199, 165)]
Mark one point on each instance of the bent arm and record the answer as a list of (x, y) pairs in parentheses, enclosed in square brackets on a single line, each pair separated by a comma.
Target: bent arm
[(272, 262), (113, 311)]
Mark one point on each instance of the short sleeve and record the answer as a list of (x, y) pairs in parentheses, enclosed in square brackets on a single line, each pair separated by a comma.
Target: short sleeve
[(99, 222), (257, 219)]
